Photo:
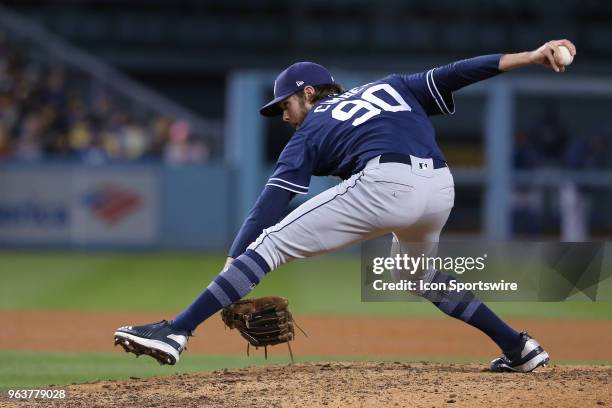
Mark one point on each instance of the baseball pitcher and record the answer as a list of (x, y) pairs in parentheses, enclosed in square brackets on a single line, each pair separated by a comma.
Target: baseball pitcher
[(378, 138)]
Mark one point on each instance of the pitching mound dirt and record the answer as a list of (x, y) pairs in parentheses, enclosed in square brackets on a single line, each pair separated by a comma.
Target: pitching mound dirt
[(355, 384)]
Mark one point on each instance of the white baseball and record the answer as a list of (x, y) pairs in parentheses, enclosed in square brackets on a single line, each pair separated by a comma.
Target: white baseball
[(563, 56)]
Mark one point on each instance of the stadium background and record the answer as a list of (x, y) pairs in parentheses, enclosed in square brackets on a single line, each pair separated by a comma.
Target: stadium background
[(130, 151)]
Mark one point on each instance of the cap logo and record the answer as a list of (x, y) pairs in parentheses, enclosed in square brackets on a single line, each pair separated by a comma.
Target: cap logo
[(299, 83)]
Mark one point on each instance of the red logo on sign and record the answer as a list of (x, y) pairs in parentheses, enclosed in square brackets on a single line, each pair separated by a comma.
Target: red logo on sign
[(112, 204)]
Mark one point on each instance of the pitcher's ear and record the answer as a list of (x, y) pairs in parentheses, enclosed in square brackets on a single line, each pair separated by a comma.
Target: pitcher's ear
[(309, 92)]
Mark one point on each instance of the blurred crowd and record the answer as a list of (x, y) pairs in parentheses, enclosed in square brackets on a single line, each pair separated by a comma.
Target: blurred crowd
[(45, 113)]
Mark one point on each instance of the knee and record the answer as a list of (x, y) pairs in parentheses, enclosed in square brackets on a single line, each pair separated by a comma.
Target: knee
[(267, 247)]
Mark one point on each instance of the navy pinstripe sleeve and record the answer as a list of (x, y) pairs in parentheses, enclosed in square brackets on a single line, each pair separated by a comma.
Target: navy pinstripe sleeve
[(434, 88)]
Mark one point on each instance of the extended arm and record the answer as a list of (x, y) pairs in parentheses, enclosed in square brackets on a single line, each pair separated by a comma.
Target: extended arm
[(434, 88), (458, 74), (545, 55)]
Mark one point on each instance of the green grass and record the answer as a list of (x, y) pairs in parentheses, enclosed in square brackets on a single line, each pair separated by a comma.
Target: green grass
[(20, 369), (168, 282)]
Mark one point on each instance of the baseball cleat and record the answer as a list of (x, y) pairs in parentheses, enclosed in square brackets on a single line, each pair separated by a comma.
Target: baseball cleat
[(158, 340), (524, 359)]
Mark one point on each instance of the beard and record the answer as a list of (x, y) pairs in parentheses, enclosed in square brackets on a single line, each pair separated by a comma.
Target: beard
[(303, 112)]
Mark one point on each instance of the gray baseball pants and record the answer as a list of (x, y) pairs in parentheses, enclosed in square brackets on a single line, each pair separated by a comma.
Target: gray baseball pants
[(411, 201)]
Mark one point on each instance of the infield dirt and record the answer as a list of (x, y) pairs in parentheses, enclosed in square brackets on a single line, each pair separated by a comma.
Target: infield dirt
[(334, 336), (353, 385)]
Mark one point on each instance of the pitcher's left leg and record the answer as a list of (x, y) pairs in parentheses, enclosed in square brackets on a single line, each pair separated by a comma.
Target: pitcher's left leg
[(340, 216)]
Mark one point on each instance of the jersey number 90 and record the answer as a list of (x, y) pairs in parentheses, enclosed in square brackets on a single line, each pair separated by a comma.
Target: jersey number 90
[(371, 103)]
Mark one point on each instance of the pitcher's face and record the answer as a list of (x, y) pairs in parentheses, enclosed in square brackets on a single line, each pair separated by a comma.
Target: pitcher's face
[(294, 110)]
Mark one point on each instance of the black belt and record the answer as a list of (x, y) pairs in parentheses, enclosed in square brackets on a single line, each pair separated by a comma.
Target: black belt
[(404, 158)]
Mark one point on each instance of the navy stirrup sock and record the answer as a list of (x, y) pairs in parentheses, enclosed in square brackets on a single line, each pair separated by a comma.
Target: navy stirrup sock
[(488, 322), (229, 286), (466, 307)]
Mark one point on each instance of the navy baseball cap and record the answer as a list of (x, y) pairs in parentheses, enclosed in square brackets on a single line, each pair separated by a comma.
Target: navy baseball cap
[(294, 79)]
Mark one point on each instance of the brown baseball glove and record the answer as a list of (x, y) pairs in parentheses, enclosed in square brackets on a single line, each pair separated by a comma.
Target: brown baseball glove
[(262, 322)]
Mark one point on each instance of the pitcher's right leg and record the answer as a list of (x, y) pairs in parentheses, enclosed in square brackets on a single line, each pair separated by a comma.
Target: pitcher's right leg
[(521, 352)]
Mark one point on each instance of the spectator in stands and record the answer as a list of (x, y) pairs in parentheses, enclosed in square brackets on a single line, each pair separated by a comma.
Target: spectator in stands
[(5, 150), (526, 155), (527, 201), (549, 138), (160, 128), (29, 141), (590, 152), (181, 150)]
